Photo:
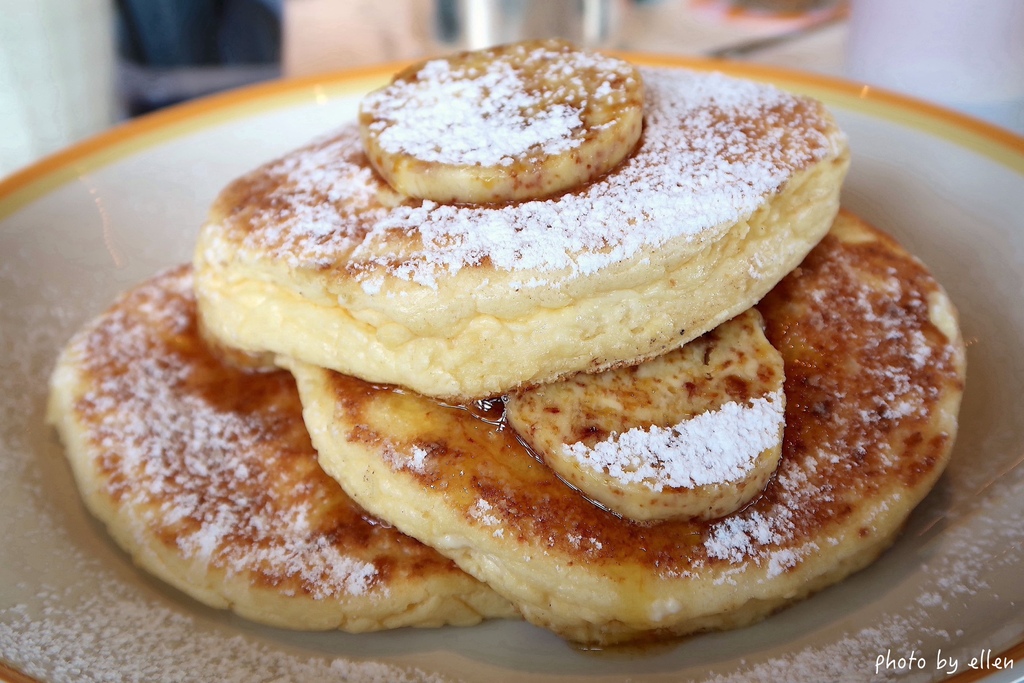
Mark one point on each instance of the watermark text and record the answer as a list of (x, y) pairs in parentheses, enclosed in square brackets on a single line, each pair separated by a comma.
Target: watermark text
[(983, 660)]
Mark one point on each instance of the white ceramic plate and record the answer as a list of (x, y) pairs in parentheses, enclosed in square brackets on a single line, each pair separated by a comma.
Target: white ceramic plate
[(80, 227)]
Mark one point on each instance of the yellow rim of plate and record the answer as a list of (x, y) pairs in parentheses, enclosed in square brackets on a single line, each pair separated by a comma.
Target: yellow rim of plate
[(41, 178), (37, 180)]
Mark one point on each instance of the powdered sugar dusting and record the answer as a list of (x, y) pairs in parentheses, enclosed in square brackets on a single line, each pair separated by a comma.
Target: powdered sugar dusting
[(483, 513), (951, 581), (488, 115), (714, 447), (736, 538), (313, 211), (414, 459), (712, 148), (192, 468), (764, 535), (114, 635)]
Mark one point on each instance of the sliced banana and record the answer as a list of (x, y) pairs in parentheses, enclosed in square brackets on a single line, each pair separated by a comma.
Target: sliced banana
[(695, 433), (515, 122)]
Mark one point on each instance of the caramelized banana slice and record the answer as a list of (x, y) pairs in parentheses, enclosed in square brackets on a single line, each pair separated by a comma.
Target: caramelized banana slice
[(516, 122), (695, 433)]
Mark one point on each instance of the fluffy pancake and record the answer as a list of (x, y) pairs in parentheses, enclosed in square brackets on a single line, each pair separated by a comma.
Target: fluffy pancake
[(874, 366), (693, 433), (206, 476), (316, 257)]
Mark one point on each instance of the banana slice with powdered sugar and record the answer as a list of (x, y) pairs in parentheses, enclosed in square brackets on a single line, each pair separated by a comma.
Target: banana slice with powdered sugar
[(695, 433), (515, 122)]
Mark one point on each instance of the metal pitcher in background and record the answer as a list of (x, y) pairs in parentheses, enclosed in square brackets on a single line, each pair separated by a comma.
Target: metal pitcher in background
[(474, 24)]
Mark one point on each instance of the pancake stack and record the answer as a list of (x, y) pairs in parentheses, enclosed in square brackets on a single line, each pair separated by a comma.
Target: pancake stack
[(566, 339)]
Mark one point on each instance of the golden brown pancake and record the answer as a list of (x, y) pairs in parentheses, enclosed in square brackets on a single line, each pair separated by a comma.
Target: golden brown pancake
[(874, 366), (316, 257), (206, 476)]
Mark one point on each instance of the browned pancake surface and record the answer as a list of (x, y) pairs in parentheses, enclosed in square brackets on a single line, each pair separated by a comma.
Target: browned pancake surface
[(314, 256), (874, 374), (207, 476)]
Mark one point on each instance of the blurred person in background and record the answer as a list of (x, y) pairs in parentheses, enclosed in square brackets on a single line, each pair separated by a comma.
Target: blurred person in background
[(174, 50)]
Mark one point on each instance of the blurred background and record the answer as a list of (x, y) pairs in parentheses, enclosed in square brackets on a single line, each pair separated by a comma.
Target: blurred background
[(72, 68)]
